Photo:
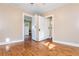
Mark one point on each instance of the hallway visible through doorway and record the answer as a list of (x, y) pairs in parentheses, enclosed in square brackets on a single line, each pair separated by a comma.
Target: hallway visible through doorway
[(27, 26)]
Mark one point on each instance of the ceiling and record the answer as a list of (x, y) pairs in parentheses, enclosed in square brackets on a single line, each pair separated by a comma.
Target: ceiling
[(39, 8)]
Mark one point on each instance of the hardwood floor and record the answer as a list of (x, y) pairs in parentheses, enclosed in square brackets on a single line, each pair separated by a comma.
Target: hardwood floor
[(33, 48)]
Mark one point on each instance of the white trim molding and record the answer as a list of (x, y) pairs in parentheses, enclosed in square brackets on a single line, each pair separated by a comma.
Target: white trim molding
[(11, 42), (67, 43)]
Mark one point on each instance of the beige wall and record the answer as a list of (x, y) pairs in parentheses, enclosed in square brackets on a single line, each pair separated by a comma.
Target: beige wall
[(66, 21), (11, 23)]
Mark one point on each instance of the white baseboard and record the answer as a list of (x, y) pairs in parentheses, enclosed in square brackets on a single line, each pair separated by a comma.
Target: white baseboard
[(67, 43), (3, 43)]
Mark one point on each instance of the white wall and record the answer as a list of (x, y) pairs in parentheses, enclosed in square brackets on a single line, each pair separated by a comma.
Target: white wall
[(11, 23), (66, 24)]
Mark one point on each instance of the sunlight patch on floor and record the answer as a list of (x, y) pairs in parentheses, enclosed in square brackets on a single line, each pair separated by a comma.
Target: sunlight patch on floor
[(49, 45), (7, 47)]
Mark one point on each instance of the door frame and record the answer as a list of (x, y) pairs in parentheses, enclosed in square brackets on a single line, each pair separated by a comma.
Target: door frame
[(24, 14), (53, 31)]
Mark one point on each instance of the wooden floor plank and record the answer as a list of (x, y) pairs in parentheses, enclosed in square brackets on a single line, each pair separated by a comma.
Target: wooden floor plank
[(33, 48)]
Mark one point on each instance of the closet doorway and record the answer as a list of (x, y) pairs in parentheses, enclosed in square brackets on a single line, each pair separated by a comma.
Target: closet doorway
[(50, 21)]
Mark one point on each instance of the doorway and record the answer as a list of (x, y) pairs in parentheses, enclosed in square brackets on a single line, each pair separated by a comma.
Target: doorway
[(27, 27), (50, 27)]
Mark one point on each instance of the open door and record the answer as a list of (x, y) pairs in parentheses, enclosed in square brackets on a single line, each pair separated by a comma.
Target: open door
[(43, 30)]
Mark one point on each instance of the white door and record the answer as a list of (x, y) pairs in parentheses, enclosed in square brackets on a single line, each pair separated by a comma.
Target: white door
[(26, 28), (43, 28), (35, 28)]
